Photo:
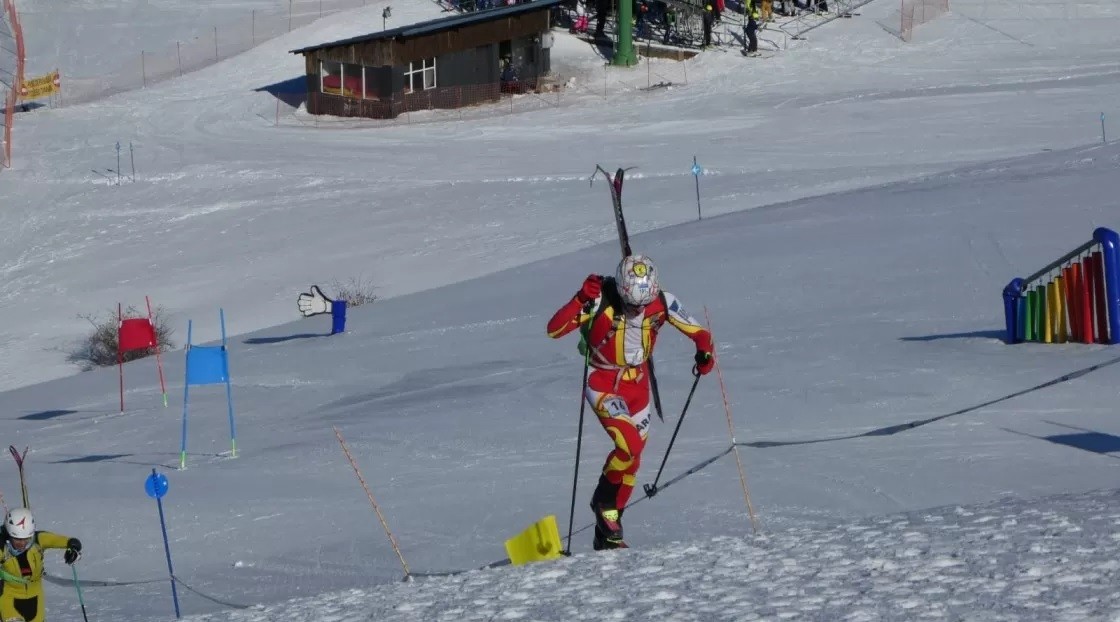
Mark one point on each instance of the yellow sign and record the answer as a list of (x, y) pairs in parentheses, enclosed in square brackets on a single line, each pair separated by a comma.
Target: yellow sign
[(42, 86), (539, 542)]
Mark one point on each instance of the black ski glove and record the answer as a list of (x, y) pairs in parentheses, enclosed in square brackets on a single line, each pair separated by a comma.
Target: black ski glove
[(704, 362), (73, 551)]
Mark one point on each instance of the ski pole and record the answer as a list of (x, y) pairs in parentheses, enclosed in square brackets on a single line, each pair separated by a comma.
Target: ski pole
[(731, 429), (579, 438), (651, 489), (78, 586), (656, 391)]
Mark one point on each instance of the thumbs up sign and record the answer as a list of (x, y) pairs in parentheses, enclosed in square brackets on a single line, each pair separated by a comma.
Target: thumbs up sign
[(314, 302)]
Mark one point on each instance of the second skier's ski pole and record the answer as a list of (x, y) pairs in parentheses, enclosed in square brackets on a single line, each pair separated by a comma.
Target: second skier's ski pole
[(651, 489), (78, 586)]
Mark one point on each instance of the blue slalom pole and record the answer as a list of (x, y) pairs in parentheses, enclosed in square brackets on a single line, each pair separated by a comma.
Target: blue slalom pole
[(156, 486), (229, 388), (338, 316), (696, 170)]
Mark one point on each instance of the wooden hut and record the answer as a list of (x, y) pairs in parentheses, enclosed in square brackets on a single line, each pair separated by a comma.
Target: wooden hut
[(455, 61)]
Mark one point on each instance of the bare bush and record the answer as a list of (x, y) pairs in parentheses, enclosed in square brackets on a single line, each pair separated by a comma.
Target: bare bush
[(356, 291), (99, 349)]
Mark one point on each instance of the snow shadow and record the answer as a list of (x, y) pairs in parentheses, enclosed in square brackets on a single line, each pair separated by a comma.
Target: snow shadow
[(910, 425), (26, 107), (92, 458), (1084, 439), (292, 91), (45, 415), (1096, 442), (976, 334), (282, 339)]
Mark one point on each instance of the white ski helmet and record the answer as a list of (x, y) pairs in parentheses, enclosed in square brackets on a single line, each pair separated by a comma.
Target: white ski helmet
[(20, 524), (637, 281)]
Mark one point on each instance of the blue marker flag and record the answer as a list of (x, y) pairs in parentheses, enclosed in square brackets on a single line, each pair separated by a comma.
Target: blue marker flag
[(696, 170), (156, 485)]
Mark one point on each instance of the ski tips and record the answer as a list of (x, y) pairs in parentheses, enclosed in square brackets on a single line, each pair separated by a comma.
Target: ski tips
[(617, 174)]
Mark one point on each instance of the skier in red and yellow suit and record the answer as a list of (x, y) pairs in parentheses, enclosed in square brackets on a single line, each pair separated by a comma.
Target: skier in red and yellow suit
[(620, 318), (21, 565)]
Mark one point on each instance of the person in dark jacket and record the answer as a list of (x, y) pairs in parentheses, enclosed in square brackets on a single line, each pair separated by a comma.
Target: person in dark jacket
[(602, 12), (751, 27), (709, 18)]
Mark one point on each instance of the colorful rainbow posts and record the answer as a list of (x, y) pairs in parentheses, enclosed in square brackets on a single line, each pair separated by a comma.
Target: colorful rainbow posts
[(1074, 299), (207, 365)]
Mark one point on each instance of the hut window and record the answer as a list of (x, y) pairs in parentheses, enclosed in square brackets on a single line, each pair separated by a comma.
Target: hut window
[(420, 76), (352, 80), (330, 77), (372, 78), (340, 79)]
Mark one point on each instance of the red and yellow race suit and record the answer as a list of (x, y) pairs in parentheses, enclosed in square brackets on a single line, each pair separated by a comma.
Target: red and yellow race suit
[(21, 597), (620, 345)]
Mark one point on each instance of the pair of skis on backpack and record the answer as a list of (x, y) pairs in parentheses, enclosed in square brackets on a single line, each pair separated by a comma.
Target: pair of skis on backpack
[(19, 458)]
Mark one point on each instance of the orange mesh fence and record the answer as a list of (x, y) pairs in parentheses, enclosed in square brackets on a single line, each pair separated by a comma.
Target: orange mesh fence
[(11, 74), (913, 13), (9, 113)]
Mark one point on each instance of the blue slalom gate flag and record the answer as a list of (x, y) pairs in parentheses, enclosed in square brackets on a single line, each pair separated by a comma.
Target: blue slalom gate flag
[(207, 365), (156, 486)]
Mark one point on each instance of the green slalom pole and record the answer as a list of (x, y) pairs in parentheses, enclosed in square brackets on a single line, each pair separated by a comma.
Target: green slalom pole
[(1032, 314)]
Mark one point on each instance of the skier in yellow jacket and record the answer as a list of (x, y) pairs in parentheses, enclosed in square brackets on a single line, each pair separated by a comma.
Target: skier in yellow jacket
[(21, 566)]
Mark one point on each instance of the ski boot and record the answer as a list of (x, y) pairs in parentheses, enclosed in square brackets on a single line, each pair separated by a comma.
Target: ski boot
[(608, 530)]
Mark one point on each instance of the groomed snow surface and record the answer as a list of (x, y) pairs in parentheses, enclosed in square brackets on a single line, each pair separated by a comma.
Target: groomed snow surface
[(864, 203), (1050, 559)]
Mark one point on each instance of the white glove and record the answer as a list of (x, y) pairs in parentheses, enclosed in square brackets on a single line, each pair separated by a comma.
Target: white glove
[(314, 303)]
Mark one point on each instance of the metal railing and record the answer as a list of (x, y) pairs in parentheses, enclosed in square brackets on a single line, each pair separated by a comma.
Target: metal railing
[(806, 21)]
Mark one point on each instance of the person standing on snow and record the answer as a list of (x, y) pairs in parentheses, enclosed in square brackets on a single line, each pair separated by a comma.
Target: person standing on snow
[(751, 27), (620, 318), (21, 566)]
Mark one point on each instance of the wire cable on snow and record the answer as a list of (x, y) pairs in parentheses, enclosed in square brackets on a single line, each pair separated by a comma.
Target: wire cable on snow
[(208, 597)]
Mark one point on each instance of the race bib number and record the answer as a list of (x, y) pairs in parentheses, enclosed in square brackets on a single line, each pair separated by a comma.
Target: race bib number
[(615, 407)]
